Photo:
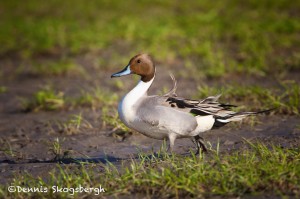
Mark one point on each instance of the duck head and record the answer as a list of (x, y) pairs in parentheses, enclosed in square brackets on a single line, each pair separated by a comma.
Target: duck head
[(142, 65)]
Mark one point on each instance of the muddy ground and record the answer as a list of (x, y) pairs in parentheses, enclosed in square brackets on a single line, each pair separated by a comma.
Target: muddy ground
[(26, 138)]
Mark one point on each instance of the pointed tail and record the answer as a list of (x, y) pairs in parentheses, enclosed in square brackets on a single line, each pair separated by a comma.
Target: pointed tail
[(223, 120)]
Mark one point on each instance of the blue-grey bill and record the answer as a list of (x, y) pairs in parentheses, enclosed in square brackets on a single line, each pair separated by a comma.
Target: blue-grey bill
[(125, 71)]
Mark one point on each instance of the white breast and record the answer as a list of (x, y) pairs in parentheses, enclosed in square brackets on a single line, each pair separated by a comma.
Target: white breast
[(128, 105)]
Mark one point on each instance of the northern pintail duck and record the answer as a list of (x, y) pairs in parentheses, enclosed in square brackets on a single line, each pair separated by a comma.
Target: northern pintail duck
[(169, 116)]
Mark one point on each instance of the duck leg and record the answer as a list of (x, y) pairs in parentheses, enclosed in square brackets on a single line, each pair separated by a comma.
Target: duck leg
[(172, 138), (199, 142)]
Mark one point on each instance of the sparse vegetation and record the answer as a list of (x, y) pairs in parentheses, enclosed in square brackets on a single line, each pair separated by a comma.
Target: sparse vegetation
[(60, 67), (259, 169), (73, 125), (3, 89), (291, 96), (95, 98), (44, 99), (111, 118), (48, 99), (56, 149), (6, 149), (285, 100)]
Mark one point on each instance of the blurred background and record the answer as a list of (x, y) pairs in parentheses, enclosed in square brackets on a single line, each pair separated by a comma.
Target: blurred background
[(248, 37), (56, 58), (57, 99)]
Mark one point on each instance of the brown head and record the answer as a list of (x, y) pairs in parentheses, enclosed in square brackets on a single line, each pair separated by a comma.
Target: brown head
[(142, 65)]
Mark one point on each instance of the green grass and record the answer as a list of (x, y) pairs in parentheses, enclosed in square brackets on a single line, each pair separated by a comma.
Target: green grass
[(285, 100), (3, 89), (48, 99), (255, 37), (95, 98), (110, 118), (57, 150), (56, 68), (253, 171), (75, 124), (8, 150), (44, 99)]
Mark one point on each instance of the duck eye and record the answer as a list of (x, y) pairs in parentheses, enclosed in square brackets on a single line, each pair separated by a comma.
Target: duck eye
[(138, 61)]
